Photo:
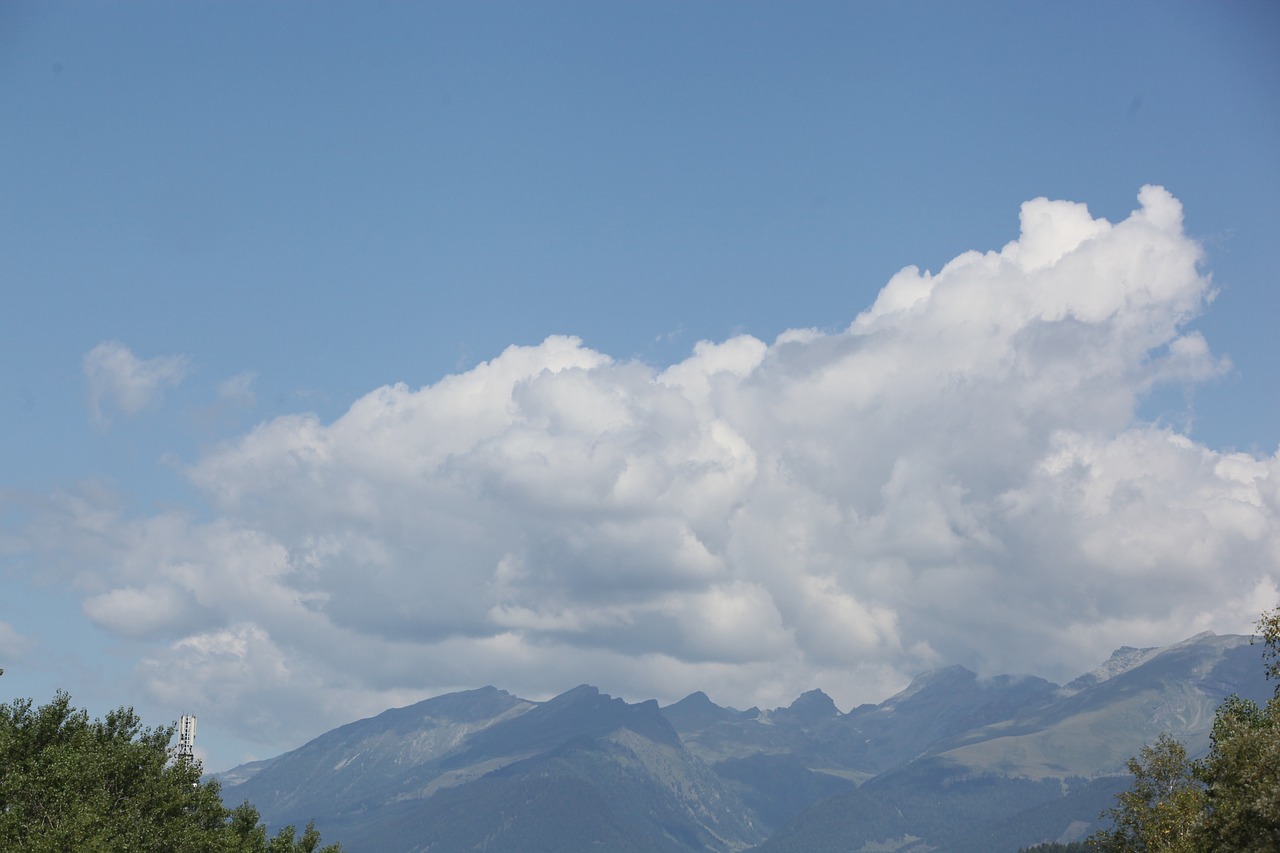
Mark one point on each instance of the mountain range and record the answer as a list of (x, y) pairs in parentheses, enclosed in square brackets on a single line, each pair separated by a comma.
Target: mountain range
[(954, 763)]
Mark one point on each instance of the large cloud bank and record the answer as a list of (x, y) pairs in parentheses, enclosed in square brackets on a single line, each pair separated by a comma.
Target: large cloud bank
[(959, 475)]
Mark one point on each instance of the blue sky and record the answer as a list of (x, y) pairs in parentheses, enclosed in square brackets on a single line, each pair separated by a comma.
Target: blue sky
[(224, 224)]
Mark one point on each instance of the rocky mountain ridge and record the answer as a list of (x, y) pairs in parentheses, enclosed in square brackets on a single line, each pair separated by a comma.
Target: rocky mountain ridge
[(959, 760)]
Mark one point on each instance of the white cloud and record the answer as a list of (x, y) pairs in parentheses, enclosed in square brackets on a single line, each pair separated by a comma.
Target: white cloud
[(238, 390), (958, 476), (13, 644), (120, 381)]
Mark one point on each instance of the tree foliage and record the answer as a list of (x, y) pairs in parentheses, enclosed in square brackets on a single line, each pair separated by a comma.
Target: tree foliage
[(1269, 630), (1242, 776), (71, 783), (1161, 809), (1227, 801)]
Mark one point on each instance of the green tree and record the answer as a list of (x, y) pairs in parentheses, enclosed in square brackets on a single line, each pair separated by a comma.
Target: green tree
[(1161, 809), (1269, 631), (251, 836), (71, 783), (1228, 802), (1242, 769)]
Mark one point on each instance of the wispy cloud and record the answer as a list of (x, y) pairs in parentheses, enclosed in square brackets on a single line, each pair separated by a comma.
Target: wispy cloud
[(121, 382), (238, 390), (13, 645)]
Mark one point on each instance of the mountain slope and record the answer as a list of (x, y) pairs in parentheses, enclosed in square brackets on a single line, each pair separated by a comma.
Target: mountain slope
[(696, 712), (954, 763), (1042, 772), (870, 739), (1094, 730), (485, 768), (619, 793), (358, 766)]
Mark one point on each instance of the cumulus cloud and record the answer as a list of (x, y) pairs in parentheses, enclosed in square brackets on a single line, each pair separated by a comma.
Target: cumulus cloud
[(960, 475), (120, 381)]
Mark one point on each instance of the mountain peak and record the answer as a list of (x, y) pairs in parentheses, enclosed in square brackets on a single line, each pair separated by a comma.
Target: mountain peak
[(1121, 661), (697, 697), (696, 712), (810, 707), (933, 679)]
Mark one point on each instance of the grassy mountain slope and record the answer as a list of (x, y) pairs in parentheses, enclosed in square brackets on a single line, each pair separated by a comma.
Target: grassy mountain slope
[(1093, 731)]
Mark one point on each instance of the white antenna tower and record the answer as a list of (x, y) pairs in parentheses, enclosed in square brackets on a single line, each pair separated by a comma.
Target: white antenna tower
[(186, 737)]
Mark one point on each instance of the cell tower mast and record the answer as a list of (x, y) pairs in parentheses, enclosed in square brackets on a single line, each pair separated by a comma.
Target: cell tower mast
[(186, 737)]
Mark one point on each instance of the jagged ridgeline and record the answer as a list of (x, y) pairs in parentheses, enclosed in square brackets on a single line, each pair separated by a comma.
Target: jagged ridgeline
[(953, 764)]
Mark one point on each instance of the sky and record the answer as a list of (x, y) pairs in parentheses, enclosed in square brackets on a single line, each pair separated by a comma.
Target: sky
[(354, 353)]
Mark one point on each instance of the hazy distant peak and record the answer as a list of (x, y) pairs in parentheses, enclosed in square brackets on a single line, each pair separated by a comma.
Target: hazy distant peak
[(696, 699), (812, 697), (810, 706), (583, 693), (696, 711), (579, 692), (1124, 659), (1121, 661), (947, 675), (471, 706)]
